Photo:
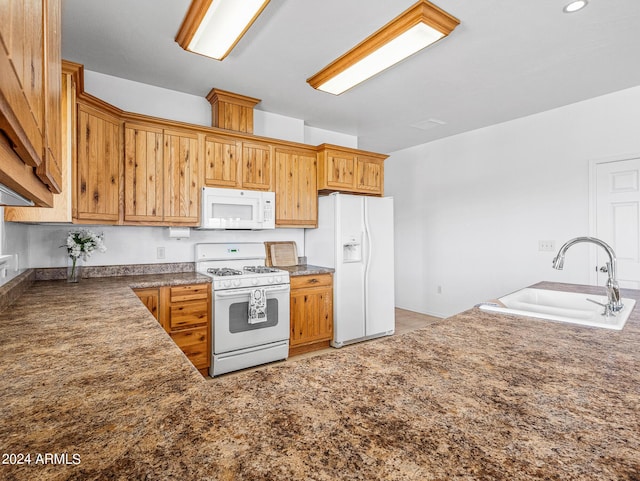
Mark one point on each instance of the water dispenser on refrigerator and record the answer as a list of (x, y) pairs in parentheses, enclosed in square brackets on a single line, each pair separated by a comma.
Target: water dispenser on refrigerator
[(352, 249)]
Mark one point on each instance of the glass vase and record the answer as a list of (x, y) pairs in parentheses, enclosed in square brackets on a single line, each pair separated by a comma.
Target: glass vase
[(74, 269)]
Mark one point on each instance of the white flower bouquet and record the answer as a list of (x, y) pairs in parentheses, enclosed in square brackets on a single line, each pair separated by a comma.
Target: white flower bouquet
[(82, 243)]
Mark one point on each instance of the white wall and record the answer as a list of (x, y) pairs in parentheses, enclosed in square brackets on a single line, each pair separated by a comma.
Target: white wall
[(266, 124), (147, 99), (316, 136), (470, 209)]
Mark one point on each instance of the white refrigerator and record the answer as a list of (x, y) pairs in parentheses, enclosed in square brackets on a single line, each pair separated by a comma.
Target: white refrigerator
[(355, 237)]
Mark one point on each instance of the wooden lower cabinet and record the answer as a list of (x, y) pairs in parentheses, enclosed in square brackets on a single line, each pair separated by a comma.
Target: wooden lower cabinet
[(185, 313), (311, 313)]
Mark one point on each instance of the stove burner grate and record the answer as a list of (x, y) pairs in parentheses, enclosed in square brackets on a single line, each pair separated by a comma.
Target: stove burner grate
[(260, 269), (224, 271)]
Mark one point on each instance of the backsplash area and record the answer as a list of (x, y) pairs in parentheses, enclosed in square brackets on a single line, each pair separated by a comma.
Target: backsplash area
[(40, 245)]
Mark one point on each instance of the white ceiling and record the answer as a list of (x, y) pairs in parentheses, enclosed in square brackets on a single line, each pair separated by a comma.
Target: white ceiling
[(506, 59)]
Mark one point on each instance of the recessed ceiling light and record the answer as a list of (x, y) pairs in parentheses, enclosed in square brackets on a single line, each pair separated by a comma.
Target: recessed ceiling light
[(428, 124), (575, 6)]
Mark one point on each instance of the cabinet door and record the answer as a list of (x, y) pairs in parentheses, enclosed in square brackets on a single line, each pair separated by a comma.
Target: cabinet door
[(311, 315), (61, 210), (143, 173), (311, 311), (222, 162), (21, 78), (340, 170), (181, 177), (194, 344), (151, 299), (296, 188), (370, 175), (50, 171), (257, 166), (98, 166)]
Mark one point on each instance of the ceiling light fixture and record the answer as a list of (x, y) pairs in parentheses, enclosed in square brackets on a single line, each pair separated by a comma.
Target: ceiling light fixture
[(213, 27), (575, 6), (418, 27)]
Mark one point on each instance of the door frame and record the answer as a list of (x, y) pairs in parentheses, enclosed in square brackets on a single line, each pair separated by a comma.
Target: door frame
[(593, 165)]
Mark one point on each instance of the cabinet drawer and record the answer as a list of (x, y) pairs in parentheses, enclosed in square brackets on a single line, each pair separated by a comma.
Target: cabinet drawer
[(187, 314), (317, 280), (189, 293), (190, 337), (193, 342)]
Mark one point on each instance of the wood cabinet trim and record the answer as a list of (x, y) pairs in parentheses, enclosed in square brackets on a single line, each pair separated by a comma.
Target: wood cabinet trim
[(350, 150)]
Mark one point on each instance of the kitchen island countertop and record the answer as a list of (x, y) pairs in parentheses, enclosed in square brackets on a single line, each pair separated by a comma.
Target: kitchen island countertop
[(87, 371)]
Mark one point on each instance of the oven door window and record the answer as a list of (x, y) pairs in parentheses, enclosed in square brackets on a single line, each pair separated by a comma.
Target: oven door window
[(239, 316)]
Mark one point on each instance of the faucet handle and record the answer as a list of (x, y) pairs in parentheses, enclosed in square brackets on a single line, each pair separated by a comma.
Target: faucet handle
[(604, 269)]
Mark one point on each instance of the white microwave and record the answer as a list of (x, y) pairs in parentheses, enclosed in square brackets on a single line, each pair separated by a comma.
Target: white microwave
[(237, 209)]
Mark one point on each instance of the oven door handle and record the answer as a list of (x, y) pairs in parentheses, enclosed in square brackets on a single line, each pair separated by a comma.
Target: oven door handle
[(242, 292)]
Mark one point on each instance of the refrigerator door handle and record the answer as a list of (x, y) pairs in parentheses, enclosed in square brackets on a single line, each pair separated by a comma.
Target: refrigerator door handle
[(367, 265)]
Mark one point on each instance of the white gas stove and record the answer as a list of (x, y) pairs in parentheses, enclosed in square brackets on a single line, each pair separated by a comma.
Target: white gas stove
[(250, 305)]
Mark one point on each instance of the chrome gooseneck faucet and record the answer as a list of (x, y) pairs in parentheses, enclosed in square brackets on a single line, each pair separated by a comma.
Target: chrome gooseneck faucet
[(613, 291)]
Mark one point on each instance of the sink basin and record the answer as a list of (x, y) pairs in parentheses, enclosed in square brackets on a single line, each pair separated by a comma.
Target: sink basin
[(561, 306)]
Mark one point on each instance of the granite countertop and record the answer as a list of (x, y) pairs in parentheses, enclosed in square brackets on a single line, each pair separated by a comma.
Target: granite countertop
[(307, 270), (88, 373)]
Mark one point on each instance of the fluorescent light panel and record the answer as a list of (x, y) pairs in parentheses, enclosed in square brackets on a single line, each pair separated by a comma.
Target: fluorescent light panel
[(213, 27), (418, 27), (390, 54)]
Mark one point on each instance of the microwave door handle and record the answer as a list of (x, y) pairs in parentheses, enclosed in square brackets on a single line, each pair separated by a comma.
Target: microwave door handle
[(261, 211)]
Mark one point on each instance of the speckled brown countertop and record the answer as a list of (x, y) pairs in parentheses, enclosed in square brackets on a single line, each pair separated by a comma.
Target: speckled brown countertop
[(307, 270), (86, 370)]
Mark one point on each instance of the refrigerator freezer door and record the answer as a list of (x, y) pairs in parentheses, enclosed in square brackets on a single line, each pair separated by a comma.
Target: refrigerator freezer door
[(320, 243), (349, 316), (379, 266)]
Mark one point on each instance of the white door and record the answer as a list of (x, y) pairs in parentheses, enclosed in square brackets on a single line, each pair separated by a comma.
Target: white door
[(617, 206)]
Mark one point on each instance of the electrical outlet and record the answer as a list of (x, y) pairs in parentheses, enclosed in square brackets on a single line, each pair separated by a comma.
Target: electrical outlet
[(546, 246), (160, 252), (439, 289)]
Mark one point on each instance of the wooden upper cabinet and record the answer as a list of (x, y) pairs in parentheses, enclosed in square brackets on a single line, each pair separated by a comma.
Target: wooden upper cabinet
[(222, 162), (143, 173), (238, 164), (182, 177), (296, 188), (30, 93), (370, 174), (162, 175), (257, 166), (61, 210), (50, 171), (341, 169), (98, 166)]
